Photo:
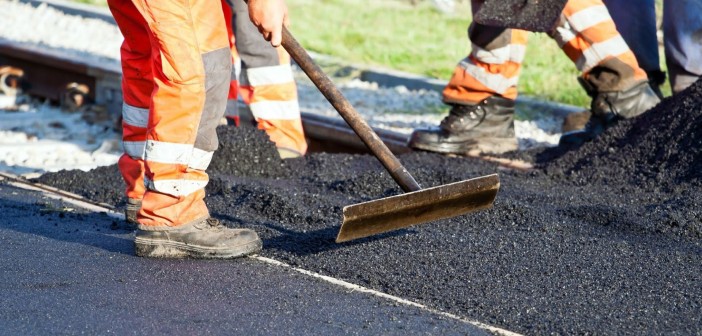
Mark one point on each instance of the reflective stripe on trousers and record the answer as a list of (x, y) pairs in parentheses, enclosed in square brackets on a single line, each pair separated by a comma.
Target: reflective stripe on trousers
[(176, 63), (266, 83), (585, 33)]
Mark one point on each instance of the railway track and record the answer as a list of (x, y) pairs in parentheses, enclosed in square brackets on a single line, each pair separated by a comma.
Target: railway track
[(74, 80)]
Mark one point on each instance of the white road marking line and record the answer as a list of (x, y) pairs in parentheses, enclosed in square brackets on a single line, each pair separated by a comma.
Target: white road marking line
[(62, 195), (362, 289), (82, 202)]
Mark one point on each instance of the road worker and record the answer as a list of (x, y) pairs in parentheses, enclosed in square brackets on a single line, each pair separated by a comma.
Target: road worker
[(176, 65), (263, 80), (483, 88)]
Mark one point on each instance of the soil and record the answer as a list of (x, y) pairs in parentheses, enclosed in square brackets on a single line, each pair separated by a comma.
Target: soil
[(605, 238)]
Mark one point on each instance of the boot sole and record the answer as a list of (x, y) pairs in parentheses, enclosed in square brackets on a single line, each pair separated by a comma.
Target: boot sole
[(474, 147), (152, 248)]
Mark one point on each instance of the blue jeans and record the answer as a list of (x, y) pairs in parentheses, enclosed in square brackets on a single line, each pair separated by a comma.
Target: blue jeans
[(682, 36)]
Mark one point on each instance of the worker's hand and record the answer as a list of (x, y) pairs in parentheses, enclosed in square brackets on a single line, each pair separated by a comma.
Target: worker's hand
[(269, 16)]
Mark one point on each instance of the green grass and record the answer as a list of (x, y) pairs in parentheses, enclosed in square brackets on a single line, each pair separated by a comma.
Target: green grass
[(416, 38), (388, 33)]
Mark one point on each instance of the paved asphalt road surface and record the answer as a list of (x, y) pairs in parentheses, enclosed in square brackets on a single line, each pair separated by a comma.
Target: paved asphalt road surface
[(66, 270)]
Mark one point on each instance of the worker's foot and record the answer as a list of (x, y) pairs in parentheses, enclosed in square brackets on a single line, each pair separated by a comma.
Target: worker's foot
[(609, 107), (487, 127), (130, 212), (207, 239)]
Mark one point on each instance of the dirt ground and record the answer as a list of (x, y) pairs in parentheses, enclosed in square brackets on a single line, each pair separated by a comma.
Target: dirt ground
[(605, 238)]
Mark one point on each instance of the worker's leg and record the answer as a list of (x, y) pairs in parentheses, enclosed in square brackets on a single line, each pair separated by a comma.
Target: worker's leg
[(137, 86), (190, 66), (636, 22), (588, 36), (481, 93), (267, 86), (491, 69), (232, 111), (682, 34), (610, 73)]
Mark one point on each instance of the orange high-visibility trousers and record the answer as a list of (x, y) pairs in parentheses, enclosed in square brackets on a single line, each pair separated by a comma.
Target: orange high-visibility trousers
[(265, 82), (585, 33), (176, 66)]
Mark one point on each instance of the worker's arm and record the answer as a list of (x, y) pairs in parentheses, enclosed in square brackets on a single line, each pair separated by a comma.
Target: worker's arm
[(269, 16)]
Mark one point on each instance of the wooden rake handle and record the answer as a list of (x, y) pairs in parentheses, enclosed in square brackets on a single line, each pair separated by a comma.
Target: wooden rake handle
[(352, 117)]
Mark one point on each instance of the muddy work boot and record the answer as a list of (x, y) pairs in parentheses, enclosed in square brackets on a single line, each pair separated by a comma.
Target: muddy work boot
[(205, 239), (487, 127), (609, 107), (131, 211)]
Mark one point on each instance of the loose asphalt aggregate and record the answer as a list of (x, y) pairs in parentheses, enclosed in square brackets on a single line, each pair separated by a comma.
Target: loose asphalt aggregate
[(601, 239), (70, 271)]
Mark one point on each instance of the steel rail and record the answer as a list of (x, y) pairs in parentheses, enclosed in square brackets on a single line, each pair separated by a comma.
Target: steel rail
[(50, 73), (53, 75)]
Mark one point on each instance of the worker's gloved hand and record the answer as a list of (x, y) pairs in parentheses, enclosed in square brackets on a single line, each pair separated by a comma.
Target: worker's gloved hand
[(269, 16)]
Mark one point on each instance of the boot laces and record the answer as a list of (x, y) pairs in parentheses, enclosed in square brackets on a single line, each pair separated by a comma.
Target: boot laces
[(459, 113), (212, 224)]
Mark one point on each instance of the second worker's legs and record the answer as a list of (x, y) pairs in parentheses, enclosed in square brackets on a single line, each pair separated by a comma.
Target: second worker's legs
[(267, 86), (481, 94), (636, 22), (682, 35), (610, 72)]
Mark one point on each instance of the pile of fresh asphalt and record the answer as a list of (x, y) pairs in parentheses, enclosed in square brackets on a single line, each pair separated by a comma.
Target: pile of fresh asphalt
[(602, 239), (535, 16)]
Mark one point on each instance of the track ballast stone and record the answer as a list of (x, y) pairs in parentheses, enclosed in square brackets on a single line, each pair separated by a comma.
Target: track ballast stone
[(605, 239)]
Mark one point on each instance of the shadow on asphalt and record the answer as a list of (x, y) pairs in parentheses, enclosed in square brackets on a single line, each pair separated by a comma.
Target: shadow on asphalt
[(51, 219), (304, 243)]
